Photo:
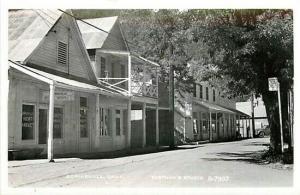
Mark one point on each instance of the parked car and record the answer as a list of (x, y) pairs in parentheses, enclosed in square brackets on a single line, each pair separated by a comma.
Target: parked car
[(262, 132)]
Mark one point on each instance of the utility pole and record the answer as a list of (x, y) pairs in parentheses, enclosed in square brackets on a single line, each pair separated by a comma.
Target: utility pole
[(252, 112), (172, 107)]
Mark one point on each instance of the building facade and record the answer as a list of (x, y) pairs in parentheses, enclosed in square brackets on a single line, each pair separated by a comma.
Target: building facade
[(68, 96), (205, 115)]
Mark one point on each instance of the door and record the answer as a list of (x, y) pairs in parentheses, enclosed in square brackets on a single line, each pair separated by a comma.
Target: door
[(84, 143), (43, 123)]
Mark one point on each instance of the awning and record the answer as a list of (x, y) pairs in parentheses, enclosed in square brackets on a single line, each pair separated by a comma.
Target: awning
[(213, 107), (239, 112), (57, 80)]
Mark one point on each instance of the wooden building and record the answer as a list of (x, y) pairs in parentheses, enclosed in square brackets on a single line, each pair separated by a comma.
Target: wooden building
[(68, 94), (206, 116)]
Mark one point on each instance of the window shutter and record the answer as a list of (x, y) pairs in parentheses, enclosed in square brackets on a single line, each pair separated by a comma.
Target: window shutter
[(62, 53)]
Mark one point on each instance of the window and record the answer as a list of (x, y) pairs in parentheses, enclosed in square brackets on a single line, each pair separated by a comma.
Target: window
[(28, 114), (201, 92), (214, 95), (194, 89), (195, 123), (213, 122), (62, 53), (204, 122), (207, 95), (83, 117), (118, 122), (92, 54), (58, 123), (103, 67)]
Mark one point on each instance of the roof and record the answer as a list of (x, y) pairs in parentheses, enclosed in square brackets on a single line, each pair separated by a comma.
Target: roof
[(239, 112), (93, 37), (212, 106), (26, 29), (59, 81)]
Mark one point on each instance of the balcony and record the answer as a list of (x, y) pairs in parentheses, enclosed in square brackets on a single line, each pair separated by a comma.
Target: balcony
[(128, 74)]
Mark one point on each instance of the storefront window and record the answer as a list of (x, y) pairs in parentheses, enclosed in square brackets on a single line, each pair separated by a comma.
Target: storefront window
[(58, 123), (83, 117), (28, 114)]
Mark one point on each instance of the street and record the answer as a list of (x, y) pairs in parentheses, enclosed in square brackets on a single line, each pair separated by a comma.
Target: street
[(229, 164)]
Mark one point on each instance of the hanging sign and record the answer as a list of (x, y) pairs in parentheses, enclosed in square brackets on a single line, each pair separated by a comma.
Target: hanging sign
[(273, 84)]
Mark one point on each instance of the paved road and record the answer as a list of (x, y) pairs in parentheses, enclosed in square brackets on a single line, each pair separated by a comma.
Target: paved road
[(231, 164)]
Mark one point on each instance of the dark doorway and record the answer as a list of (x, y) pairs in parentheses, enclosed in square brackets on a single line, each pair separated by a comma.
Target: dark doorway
[(43, 116), (150, 127)]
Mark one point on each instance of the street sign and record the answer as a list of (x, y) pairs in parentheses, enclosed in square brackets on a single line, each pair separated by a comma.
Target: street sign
[(273, 84)]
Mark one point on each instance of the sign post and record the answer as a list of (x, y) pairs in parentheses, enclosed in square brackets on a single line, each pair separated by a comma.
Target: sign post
[(274, 85)]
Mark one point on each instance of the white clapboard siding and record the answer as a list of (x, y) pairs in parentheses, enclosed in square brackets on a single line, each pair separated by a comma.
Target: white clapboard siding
[(46, 54)]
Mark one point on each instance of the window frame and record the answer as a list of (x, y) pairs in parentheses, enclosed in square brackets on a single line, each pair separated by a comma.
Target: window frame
[(200, 91), (35, 123), (57, 53), (87, 116), (63, 116), (207, 93)]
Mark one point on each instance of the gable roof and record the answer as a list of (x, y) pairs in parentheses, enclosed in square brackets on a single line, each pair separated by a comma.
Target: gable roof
[(93, 37), (26, 29)]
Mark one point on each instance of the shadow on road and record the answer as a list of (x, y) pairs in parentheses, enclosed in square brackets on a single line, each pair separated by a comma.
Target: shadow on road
[(125, 153), (248, 157)]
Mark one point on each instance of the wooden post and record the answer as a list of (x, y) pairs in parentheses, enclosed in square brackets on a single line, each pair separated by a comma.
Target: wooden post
[(157, 125), (252, 114), (50, 123), (216, 127), (229, 128), (129, 123), (129, 74), (210, 129), (144, 124), (129, 104), (280, 118), (97, 120)]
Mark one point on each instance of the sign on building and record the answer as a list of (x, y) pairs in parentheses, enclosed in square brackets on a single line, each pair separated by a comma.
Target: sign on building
[(273, 84), (59, 96)]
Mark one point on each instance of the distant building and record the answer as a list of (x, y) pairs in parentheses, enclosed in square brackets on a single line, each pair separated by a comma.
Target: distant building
[(260, 114), (205, 115)]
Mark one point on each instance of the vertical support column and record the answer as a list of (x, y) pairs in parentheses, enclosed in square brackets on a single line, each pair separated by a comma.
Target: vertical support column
[(129, 75), (247, 132), (217, 125), (156, 71), (210, 128), (157, 126), (144, 124), (129, 123), (50, 123), (129, 103), (97, 120), (229, 128), (239, 124)]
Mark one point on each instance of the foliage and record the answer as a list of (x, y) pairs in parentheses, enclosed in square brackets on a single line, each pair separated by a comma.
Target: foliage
[(236, 50)]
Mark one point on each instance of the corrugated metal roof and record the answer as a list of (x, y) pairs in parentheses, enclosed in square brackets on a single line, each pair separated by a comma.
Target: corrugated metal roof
[(94, 38), (26, 28)]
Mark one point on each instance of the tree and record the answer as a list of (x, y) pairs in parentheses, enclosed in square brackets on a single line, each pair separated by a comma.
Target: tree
[(254, 49)]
